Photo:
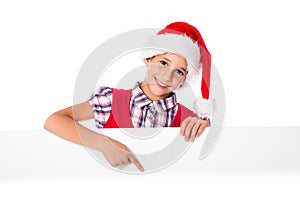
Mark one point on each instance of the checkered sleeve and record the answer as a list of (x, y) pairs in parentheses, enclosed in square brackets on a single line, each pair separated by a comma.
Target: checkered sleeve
[(101, 103)]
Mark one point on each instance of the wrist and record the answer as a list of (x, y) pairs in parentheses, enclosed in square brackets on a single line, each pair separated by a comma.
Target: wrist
[(101, 142), (205, 118)]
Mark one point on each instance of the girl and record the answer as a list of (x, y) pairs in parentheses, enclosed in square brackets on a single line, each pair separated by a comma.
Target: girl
[(178, 55)]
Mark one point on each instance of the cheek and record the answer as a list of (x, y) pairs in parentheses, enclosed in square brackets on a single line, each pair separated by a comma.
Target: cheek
[(178, 81), (152, 70)]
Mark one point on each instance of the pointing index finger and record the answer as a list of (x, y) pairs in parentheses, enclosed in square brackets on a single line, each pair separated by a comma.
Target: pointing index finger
[(137, 163)]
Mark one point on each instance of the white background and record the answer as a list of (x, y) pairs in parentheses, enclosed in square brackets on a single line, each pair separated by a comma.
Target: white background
[(254, 45)]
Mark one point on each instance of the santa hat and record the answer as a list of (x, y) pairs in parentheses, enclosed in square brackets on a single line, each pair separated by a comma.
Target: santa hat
[(184, 39)]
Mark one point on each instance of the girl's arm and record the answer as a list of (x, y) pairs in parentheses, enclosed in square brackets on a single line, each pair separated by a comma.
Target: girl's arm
[(64, 123)]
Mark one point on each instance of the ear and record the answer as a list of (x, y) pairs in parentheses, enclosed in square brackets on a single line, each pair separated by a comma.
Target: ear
[(147, 60)]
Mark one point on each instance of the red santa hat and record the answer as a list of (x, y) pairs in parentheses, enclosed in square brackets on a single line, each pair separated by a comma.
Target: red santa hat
[(184, 39)]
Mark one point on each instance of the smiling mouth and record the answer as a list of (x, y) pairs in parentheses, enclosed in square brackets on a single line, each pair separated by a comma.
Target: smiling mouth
[(161, 84)]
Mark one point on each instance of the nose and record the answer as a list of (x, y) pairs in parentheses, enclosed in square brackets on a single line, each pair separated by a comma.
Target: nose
[(167, 74)]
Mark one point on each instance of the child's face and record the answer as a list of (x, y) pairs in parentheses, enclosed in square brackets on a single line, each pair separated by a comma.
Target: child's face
[(166, 72)]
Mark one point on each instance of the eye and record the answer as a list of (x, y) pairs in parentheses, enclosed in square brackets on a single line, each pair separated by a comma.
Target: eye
[(179, 72), (164, 63)]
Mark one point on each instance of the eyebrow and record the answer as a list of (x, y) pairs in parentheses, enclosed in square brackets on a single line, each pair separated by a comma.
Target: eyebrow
[(183, 69), (167, 59)]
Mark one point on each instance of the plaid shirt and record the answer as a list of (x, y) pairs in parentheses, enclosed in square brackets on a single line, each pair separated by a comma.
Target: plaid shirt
[(144, 112)]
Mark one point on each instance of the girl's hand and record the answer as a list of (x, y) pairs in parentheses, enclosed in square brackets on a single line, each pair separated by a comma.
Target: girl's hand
[(118, 154), (192, 127)]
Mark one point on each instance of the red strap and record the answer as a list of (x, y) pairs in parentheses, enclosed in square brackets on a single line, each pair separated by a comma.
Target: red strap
[(182, 113), (119, 115)]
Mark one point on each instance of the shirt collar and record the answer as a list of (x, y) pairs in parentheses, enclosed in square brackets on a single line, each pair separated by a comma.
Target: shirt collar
[(140, 99)]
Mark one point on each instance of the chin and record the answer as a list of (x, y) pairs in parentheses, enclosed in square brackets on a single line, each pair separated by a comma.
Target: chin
[(160, 93)]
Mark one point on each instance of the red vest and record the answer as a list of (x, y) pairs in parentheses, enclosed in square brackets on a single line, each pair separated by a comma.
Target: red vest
[(120, 113)]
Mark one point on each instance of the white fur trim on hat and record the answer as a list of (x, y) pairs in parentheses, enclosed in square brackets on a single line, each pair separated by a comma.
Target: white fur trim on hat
[(205, 108), (178, 44)]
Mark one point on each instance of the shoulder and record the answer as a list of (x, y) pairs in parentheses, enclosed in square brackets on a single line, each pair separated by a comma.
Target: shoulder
[(101, 96), (103, 91), (105, 94)]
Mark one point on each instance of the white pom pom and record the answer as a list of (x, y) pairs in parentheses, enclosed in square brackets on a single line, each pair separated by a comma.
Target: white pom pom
[(205, 108)]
